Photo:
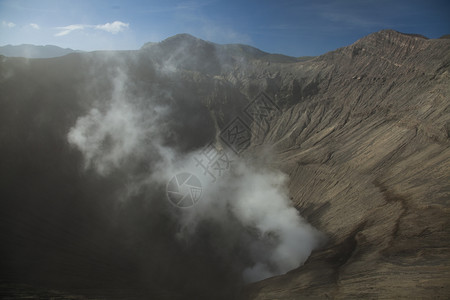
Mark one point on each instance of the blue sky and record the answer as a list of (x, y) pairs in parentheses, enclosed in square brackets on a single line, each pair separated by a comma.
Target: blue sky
[(294, 28)]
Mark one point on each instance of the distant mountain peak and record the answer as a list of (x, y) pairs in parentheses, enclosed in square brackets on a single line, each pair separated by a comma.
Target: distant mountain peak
[(181, 39), (390, 39), (183, 36), (204, 50), (395, 32), (184, 39)]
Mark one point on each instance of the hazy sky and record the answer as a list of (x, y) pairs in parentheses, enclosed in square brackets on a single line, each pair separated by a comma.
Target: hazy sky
[(295, 28)]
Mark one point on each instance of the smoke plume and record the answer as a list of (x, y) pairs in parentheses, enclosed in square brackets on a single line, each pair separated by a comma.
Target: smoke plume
[(244, 222)]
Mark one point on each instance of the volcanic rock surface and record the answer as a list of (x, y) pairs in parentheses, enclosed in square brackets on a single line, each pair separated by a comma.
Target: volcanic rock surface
[(363, 133), (366, 145)]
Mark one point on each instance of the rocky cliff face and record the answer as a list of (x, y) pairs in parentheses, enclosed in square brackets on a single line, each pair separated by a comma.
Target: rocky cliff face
[(363, 133), (368, 157)]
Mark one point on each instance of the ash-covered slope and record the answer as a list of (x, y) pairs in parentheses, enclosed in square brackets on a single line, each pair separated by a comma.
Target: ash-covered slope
[(367, 150), (363, 134)]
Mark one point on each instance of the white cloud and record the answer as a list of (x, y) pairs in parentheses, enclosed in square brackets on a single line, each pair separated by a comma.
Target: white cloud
[(8, 24), (35, 26), (114, 27), (68, 29)]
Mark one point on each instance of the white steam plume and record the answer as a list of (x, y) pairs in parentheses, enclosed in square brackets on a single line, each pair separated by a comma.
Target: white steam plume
[(111, 135), (255, 197)]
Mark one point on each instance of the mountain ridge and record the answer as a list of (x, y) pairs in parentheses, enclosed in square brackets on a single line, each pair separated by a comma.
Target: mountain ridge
[(49, 51), (34, 51)]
